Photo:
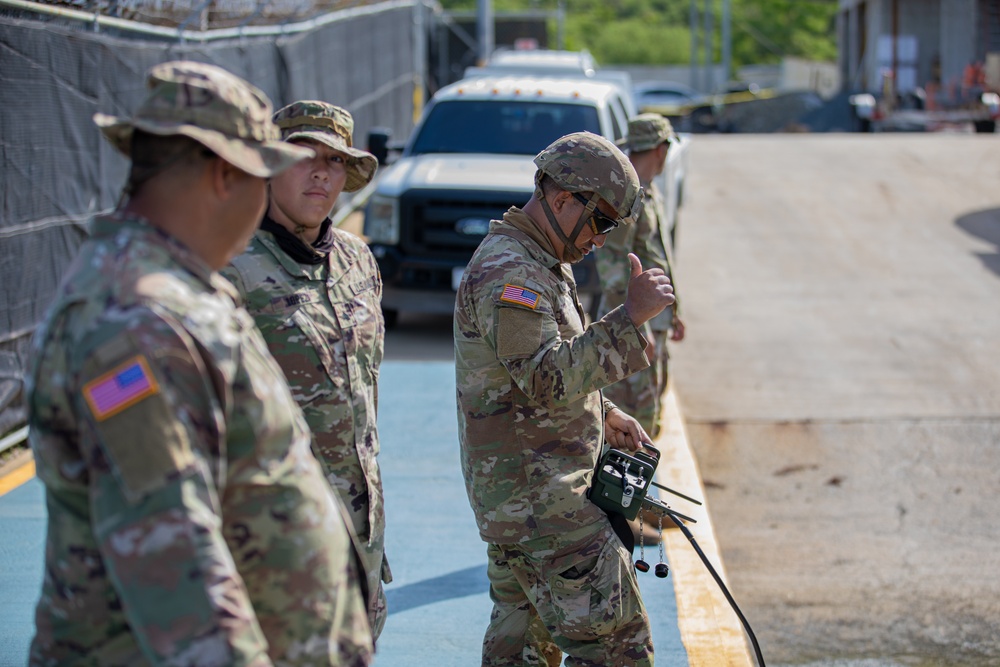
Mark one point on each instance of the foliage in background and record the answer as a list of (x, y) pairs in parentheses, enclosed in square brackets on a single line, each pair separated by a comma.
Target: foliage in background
[(657, 32)]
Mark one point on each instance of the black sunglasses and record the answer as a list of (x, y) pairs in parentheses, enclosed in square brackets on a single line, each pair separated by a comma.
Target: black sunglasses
[(599, 222)]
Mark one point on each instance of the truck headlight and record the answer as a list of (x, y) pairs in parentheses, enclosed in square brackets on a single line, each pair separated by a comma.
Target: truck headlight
[(382, 220)]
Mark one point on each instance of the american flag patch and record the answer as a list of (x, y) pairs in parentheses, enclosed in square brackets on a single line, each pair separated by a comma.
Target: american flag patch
[(124, 386), (519, 295)]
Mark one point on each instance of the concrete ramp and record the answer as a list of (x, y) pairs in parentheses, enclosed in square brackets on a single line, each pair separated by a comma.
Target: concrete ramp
[(841, 389)]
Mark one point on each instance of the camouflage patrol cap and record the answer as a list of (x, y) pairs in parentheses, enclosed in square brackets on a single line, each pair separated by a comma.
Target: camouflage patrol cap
[(215, 108), (647, 131), (586, 162), (332, 126)]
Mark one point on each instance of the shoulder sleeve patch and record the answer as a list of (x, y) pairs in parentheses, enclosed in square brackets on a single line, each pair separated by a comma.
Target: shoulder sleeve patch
[(519, 333), (144, 440), (521, 296), (120, 388)]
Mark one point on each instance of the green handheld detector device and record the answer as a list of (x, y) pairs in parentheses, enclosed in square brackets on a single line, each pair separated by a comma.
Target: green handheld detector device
[(622, 480)]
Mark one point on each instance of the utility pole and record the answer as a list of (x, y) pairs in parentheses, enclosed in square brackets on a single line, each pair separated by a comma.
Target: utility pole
[(709, 55), (727, 41), (419, 59), (484, 29), (694, 77)]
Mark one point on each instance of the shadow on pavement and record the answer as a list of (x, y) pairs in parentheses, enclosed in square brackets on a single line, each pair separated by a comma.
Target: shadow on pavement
[(984, 224), (458, 584)]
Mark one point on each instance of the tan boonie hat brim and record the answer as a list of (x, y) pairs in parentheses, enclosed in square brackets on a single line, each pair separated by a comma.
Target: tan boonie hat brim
[(262, 159), (360, 168)]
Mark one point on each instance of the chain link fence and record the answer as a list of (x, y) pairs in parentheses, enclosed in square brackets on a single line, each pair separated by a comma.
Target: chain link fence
[(56, 172)]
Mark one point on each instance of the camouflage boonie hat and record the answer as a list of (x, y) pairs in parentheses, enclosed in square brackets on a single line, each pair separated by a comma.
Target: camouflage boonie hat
[(332, 126), (647, 131), (586, 162), (215, 108)]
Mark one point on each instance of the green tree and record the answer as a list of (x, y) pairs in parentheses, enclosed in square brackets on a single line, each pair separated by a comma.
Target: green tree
[(657, 31)]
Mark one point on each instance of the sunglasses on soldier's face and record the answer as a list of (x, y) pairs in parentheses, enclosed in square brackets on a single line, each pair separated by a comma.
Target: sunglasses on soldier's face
[(599, 222)]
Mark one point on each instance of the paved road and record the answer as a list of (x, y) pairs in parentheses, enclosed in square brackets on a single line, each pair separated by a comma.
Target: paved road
[(841, 384), (439, 604)]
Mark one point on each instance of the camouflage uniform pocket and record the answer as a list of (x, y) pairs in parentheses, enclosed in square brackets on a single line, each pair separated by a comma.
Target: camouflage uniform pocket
[(591, 598), (298, 359)]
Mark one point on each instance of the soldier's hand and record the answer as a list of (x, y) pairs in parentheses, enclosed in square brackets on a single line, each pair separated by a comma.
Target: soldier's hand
[(624, 432), (649, 292), (677, 330)]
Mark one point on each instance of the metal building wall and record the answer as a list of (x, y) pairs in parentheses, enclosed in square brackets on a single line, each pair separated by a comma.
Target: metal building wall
[(949, 29), (958, 37)]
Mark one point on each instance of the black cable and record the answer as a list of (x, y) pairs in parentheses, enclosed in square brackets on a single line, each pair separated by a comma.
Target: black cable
[(725, 591)]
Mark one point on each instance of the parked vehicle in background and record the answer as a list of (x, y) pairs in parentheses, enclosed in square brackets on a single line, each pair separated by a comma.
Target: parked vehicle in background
[(468, 160), (671, 183), (687, 109), (664, 94), (556, 64), (539, 61), (878, 115)]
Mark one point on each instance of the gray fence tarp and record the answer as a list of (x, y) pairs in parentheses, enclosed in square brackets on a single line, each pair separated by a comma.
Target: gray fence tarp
[(56, 171)]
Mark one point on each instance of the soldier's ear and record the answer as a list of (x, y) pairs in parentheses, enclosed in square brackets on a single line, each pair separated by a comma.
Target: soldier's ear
[(560, 200), (225, 178)]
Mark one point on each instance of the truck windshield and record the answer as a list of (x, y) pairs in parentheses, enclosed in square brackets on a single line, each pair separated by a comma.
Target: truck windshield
[(500, 126)]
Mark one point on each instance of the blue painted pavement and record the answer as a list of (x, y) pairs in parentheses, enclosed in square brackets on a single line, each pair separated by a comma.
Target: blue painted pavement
[(439, 604)]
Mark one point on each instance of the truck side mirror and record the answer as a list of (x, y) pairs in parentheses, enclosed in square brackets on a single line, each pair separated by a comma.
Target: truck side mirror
[(378, 143)]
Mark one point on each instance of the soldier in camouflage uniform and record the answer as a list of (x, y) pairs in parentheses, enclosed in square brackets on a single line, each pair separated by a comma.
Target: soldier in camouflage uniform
[(532, 419), (188, 521), (315, 292), (640, 394)]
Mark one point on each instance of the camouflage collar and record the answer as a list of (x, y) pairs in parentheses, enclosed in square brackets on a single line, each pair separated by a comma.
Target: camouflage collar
[(127, 224), (291, 267), (338, 261), (516, 224)]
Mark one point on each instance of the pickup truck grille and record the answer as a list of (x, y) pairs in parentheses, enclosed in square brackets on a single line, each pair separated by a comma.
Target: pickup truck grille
[(450, 224)]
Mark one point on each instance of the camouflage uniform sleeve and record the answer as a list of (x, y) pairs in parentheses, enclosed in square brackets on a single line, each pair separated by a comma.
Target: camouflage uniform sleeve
[(155, 458), (651, 252), (613, 267), (233, 275), (552, 370)]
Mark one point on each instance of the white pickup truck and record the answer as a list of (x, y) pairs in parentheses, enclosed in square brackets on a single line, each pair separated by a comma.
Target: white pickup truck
[(469, 160)]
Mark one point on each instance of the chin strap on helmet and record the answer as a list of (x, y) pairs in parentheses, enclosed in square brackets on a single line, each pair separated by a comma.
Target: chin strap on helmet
[(571, 253)]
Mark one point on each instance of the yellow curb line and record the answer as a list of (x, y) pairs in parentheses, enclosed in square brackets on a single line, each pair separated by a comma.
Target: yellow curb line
[(20, 474), (710, 630)]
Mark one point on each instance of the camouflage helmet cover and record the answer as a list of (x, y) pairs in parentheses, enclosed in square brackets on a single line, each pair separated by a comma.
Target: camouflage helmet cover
[(587, 162), (215, 108), (647, 131), (332, 126)]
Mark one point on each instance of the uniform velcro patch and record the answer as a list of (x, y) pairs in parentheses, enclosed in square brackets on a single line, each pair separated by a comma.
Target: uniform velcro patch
[(521, 296), (120, 388), (519, 333)]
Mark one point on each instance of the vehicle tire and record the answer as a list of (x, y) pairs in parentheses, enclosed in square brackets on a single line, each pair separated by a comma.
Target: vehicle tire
[(985, 126), (391, 318)]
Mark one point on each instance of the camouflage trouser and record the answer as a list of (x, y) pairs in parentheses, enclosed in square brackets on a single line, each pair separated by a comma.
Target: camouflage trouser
[(638, 396), (376, 571), (582, 589), (662, 357)]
